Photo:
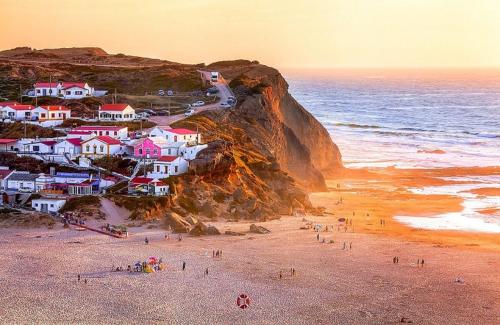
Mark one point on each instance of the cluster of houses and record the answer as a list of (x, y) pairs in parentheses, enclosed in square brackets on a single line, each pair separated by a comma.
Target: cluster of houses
[(53, 115), (66, 90)]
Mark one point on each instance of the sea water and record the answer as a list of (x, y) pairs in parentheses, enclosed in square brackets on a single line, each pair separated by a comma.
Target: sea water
[(413, 119)]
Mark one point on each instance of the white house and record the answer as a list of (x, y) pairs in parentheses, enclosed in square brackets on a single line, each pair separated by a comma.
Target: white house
[(169, 165), (117, 132), (176, 135), (72, 146), (21, 180), (190, 152), (51, 115), (67, 90), (41, 146), (48, 205), (116, 112), (8, 144), (147, 186), (43, 182), (17, 112), (101, 146)]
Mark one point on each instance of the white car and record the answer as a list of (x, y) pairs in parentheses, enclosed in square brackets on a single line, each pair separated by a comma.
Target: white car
[(189, 113), (224, 105), (25, 190), (198, 103)]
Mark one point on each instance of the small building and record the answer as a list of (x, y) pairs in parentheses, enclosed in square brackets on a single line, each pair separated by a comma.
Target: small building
[(116, 112), (82, 135), (48, 205), (176, 135), (4, 174), (8, 145), (41, 146), (190, 152), (18, 112), (52, 113), (117, 132), (71, 146), (23, 181), (167, 166), (101, 146), (66, 90), (70, 178), (43, 182), (87, 187), (147, 186), (147, 148)]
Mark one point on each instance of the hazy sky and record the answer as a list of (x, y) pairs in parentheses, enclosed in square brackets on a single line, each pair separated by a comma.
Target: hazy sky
[(282, 33)]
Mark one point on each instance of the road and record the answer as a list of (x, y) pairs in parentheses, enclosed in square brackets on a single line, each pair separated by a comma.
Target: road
[(224, 93)]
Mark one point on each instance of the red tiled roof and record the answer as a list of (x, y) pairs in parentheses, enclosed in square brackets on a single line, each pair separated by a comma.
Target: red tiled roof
[(20, 107), (108, 140), (55, 108), (113, 107), (49, 143), (46, 84), (67, 85), (98, 128), (6, 141), (5, 172), (79, 132), (75, 141), (160, 183), (141, 180), (181, 131), (167, 158)]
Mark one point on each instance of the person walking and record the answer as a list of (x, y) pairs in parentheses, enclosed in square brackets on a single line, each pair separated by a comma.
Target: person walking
[(146, 241), (394, 260), (79, 277), (418, 262), (350, 245), (317, 237), (206, 271), (183, 266), (422, 262), (281, 274), (344, 246)]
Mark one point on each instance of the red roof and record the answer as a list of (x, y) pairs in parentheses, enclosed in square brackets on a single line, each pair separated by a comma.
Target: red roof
[(8, 104), (141, 180), (6, 141), (98, 128), (167, 158), (20, 107), (75, 141), (113, 107), (67, 85), (46, 84), (181, 131), (79, 132), (55, 108), (5, 172), (107, 139), (49, 143)]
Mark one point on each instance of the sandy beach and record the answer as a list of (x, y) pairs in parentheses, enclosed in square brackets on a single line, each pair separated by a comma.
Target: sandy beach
[(361, 285)]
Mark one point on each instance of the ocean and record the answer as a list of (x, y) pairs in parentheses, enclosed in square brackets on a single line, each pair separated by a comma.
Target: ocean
[(406, 119), (414, 119)]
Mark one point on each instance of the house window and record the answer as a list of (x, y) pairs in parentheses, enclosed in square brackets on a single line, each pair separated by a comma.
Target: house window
[(176, 168), (52, 115), (52, 205), (42, 115), (147, 151), (102, 148), (140, 151), (155, 151), (169, 151), (116, 133), (68, 93), (175, 138), (36, 204), (78, 92), (157, 168), (107, 132), (38, 91), (88, 148), (36, 148)]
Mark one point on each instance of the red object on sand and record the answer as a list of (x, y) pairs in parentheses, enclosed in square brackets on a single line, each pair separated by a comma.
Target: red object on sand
[(243, 301)]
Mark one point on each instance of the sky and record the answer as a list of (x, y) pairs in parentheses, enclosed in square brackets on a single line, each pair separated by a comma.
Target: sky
[(280, 33)]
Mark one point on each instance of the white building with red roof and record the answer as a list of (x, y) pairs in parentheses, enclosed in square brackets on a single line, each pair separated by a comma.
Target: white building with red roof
[(147, 186), (166, 166), (117, 132), (17, 112), (101, 146), (8, 144), (176, 135), (116, 112), (71, 146), (66, 90), (51, 115), (10, 103), (45, 146)]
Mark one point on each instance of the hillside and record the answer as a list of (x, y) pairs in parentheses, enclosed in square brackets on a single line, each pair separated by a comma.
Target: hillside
[(263, 155)]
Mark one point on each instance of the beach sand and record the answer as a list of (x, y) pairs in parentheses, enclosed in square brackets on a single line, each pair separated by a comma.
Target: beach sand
[(332, 285)]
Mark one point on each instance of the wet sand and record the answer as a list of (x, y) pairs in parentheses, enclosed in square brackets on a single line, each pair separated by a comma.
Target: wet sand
[(362, 285)]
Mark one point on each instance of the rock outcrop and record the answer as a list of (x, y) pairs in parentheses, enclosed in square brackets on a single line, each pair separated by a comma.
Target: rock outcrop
[(258, 229)]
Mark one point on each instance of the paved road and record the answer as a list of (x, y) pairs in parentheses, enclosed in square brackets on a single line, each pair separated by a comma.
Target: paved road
[(224, 93)]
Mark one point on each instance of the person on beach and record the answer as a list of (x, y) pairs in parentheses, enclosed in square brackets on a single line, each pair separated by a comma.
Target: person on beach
[(350, 245), (281, 274), (85, 281), (418, 262), (394, 260), (183, 266), (146, 241), (317, 237), (397, 259), (422, 262), (79, 277), (206, 271), (343, 247), (293, 271)]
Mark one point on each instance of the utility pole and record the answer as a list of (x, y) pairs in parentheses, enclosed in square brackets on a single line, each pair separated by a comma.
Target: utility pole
[(114, 99), (21, 93)]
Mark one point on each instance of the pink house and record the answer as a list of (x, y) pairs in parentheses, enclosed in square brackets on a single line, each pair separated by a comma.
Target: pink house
[(146, 148)]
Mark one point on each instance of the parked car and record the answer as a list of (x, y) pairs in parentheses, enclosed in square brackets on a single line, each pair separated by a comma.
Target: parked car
[(189, 112), (225, 105), (198, 103), (170, 92), (25, 190), (161, 92)]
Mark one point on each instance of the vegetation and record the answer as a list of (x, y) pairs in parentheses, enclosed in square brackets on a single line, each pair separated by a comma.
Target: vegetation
[(30, 164), (120, 165), (17, 130), (77, 203)]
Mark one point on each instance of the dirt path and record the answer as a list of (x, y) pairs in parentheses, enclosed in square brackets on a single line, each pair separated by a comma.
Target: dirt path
[(115, 215)]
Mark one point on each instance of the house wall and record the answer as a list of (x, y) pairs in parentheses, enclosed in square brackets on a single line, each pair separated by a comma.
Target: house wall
[(165, 169), (174, 137), (128, 114), (147, 149), (51, 205), (16, 185), (66, 147), (17, 115), (44, 115), (71, 93), (40, 147), (190, 153), (97, 148), (46, 91)]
